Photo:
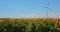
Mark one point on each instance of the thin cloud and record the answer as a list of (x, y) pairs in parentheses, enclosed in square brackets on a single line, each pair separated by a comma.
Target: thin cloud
[(40, 16), (33, 16)]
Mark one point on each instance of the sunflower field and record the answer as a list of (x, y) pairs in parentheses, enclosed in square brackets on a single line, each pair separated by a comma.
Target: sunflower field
[(29, 25)]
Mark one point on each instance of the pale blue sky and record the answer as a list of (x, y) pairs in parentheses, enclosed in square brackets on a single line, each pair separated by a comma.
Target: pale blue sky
[(29, 8)]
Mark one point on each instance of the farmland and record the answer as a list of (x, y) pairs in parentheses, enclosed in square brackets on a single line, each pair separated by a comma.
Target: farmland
[(29, 25)]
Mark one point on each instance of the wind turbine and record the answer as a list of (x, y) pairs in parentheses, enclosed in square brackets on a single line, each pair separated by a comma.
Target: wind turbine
[(47, 9)]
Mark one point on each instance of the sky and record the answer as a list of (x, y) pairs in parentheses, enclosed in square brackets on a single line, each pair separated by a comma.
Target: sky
[(29, 8)]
